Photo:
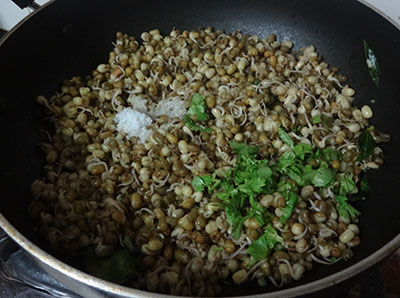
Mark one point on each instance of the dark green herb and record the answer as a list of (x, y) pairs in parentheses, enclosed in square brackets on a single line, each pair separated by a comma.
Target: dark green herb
[(374, 69), (119, 268), (366, 145), (256, 82)]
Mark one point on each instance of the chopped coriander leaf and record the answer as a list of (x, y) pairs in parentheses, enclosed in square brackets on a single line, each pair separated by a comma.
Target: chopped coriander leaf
[(290, 203), (345, 209), (198, 107), (363, 190), (366, 145), (284, 186), (261, 247), (198, 110), (346, 184), (200, 182), (243, 148), (324, 176), (219, 248), (331, 154), (194, 126), (316, 119), (333, 259), (285, 137), (374, 69), (302, 149), (256, 82)]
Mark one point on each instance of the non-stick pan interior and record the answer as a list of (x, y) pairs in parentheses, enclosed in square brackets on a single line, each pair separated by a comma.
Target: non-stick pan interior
[(70, 37)]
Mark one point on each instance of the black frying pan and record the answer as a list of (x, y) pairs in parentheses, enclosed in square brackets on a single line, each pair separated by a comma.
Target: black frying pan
[(70, 37)]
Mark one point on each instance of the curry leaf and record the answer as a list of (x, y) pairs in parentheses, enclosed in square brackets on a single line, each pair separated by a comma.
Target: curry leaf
[(374, 69), (366, 145), (119, 268)]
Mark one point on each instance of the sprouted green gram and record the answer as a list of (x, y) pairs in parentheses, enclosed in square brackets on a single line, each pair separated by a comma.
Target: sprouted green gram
[(256, 180)]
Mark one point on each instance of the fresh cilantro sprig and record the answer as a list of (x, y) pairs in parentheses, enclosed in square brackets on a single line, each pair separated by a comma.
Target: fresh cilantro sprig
[(261, 247), (198, 107), (344, 208), (346, 187), (295, 164), (197, 110)]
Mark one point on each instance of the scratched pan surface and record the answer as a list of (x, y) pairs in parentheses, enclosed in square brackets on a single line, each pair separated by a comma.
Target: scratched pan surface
[(71, 37)]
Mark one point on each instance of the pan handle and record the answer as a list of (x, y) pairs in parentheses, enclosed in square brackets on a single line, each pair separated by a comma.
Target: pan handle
[(26, 3)]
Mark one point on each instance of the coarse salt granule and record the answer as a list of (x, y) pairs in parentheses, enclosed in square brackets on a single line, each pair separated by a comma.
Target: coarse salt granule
[(134, 124)]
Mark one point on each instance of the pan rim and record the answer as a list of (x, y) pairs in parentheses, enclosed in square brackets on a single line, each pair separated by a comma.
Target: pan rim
[(116, 289), (112, 288)]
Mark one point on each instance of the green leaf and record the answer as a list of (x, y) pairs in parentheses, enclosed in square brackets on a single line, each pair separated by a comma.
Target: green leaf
[(290, 203), (198, 107), (119, 268), (374, 69), (128, 243), (331, 154), (366, 145), (285, 137), (284, 187), (194, 126), (219, 248), (316, 119), (244, 149), (253, 185), (364, 186), (345, 209), (323, 176), (302, 149), (261, 247), (346, 184), (363, 190), (234, 217), (198, 183), (256, 82)]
